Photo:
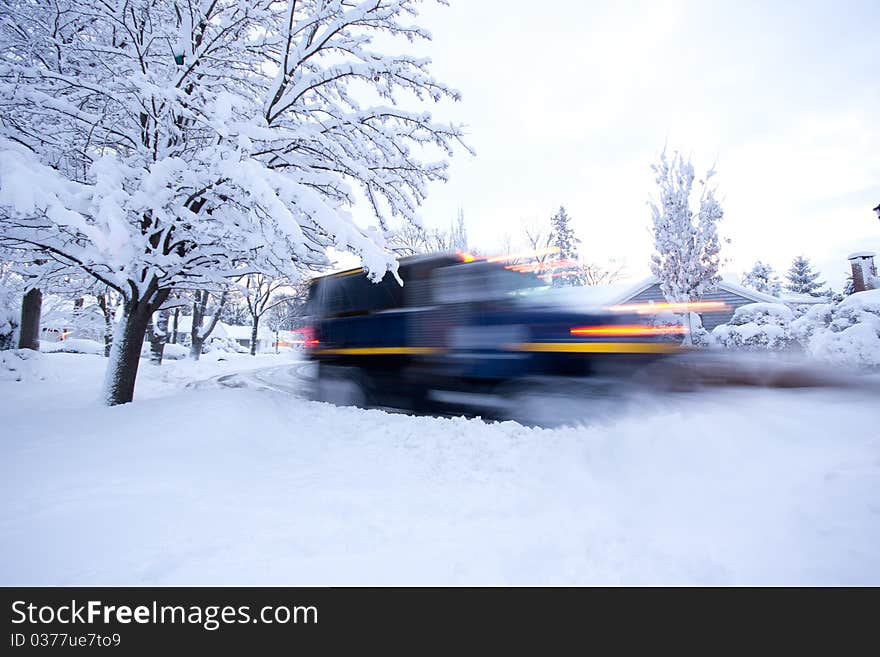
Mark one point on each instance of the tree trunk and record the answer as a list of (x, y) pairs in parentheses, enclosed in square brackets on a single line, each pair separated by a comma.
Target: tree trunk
[(108, 323), (29, 329), (174, 325), (126, 351), (199, 311), (76, 317), (689, 335), (157, 337), (196, 339), (254, 326)]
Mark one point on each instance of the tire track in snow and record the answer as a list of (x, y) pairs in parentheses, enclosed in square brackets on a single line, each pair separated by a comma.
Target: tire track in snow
[(288, 379)]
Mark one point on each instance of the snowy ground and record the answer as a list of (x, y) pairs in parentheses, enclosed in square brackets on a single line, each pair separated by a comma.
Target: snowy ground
[(220, 473)]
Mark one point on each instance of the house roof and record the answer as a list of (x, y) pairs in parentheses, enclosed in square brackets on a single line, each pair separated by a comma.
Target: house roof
[(244, 332), (184, 325), (729, 285), (222, 330)]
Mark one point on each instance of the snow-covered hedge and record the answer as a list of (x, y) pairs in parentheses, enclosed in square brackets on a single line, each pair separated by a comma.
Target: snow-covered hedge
[(757, 326), (846, 334)]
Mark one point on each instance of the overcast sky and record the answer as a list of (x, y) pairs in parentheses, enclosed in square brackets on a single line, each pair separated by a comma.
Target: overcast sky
[(570, 101)]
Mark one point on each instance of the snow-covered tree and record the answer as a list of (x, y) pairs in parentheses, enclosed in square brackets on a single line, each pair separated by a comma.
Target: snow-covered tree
[(235, 309), (595, 274), (159, 144), (458, 233), (108, 301), (410, 238), (202, 312), (261, 295), (686, 243), (10, 305), (562, 237), (762, 278), (539, 239), (290, 310), (802, 279)]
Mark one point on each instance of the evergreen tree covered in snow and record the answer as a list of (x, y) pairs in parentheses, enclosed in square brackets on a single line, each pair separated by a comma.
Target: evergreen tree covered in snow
[(160, 145), (563, 239), (762, 278), (686, 243), (802, 279)]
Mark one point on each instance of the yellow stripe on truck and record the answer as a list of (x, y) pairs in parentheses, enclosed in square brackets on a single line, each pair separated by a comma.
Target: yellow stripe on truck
[(380, 351), (597, 347)]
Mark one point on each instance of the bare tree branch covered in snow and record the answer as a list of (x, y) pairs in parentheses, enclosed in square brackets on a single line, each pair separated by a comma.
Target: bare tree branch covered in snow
[(411, 239), (593, 274), (156, 144)]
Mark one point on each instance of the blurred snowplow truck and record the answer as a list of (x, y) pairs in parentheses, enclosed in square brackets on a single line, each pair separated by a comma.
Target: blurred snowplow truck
[(465, 335)]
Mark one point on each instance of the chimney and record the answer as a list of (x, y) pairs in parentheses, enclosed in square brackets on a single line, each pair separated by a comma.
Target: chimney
[(863, 270)]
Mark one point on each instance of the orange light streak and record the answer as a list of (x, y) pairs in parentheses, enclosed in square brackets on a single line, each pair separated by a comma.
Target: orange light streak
[(629, 330)]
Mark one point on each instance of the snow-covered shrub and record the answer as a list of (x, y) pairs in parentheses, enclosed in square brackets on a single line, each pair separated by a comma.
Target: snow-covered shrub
[(700, 337), (228, 345), (73, 346), (847, 334), (757, 326), (8, 324), (10, 312), (817, 317)]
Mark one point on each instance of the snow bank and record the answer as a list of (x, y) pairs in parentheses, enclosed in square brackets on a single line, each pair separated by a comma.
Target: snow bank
[(20, 365), (847, 334), (221, 486)]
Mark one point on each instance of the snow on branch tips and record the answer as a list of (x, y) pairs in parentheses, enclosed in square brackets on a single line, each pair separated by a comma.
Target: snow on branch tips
[(156, 145)]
